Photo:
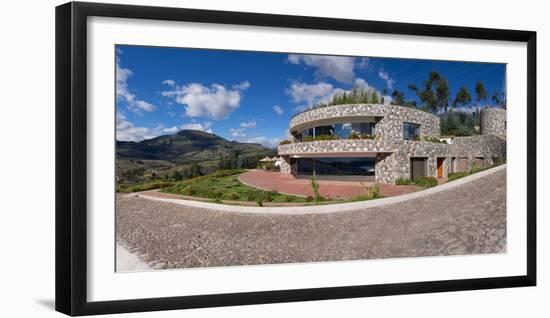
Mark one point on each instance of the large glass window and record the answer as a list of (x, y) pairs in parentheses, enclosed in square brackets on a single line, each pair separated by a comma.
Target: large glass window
[(336, 166), (342, 130), (411, 131), (305, 133), (324, 130)]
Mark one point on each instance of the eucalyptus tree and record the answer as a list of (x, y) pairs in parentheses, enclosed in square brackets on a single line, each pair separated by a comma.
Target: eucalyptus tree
[(435, 92), (481, 93), (398, 98), (499, 99), (462, 97)]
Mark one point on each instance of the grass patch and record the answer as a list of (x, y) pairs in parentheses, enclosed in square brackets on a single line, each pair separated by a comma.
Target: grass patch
[(127, 188), (457, 175), (224, 185)]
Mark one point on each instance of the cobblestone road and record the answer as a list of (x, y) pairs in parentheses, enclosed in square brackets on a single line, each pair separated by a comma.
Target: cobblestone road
[(469, 219)]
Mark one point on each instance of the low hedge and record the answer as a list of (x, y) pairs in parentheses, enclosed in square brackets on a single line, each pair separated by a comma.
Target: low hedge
[(426, 182), (403, 181)]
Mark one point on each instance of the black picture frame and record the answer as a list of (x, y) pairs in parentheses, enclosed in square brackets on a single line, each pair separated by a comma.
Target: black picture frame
[(71, 157)]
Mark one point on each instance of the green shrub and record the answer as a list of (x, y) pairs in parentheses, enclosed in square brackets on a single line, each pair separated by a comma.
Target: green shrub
[(309, 198), (326, 137), (458, 124), (403, 181), (366, 136), (373, 191), (354, 135), (315, 187), (426, 182), (433, 139), (320, 138), (457, 175), (285, 142)]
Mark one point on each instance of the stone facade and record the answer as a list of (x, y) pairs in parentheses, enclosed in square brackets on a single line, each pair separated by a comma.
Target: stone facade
[(389, 126), (391, 151), (493, 121)]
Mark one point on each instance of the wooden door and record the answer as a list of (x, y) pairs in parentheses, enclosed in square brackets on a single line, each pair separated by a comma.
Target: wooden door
[(440, 167)]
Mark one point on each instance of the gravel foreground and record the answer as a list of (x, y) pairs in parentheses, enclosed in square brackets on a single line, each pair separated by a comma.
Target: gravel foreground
[(469, 219)]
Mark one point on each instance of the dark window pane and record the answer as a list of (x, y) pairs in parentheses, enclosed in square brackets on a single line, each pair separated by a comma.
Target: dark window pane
[(324, 130), (336, 166), (411, 131)]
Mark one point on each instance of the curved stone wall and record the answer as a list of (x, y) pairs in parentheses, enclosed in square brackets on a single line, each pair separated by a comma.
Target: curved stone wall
[(493, 121), (393, 158), (390, 125), (335, 146)]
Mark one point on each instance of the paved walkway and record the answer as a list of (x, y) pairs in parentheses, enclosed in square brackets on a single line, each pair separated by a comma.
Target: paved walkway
[(467, 219), (286, 183)]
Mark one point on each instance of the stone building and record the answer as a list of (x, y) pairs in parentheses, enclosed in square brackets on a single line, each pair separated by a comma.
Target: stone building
[(382, 143)]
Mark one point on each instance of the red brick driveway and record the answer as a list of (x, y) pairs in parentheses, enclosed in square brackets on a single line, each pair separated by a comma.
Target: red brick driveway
[(288, 184)]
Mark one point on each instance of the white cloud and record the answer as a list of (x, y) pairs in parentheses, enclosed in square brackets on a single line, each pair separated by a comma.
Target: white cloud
[(124, 93), (204, 126), (169, 82), (363, 62), (278, 109), (338, 67), (214, 102), (139, 105), (170, 130), (241, 86), (267, 142), (237, 132), (359, 82), (312, 94), (249, 124), (386, 77), (126, 131)]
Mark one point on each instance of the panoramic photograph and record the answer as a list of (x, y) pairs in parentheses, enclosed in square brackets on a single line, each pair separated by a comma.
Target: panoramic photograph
[(228, 158)]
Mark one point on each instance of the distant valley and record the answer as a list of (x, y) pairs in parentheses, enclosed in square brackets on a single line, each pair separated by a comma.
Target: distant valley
[(188, 152)]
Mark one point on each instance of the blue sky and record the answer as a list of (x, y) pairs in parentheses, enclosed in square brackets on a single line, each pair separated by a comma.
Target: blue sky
[(251, 96)]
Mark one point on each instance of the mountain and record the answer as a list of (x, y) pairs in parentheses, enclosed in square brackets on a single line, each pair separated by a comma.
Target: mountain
[(188, 146)]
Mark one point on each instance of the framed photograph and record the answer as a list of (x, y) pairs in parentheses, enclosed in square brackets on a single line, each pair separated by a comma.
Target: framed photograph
[(208, 158)]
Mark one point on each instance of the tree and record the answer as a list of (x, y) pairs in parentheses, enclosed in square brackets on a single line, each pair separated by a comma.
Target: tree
[(499, 99), (442, 93), (462, 97), (435, 93), (398, 98), (374, 98), (457, 124), (481, 93)]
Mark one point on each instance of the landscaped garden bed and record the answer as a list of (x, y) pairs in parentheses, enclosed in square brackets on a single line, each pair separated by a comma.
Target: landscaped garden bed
[(224, 185)]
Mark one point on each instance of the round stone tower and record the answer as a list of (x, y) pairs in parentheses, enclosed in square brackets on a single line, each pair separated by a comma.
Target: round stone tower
[(493, 121)]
